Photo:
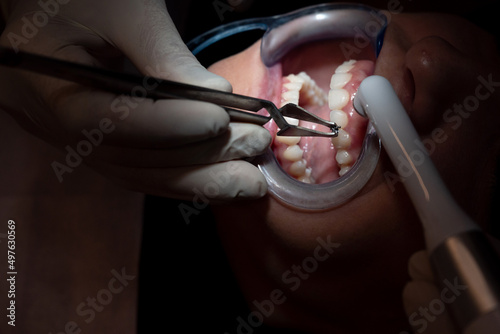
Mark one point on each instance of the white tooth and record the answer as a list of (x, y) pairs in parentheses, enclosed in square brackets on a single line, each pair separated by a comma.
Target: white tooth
[(306, 178), (293, 86), (338, 98), (342, 141), (290, 141), (346, 66), (339, 80), (311, 90), (306, 78), (343, 170), (295, 78), (293, 153), (339, 117), (291, 96), (298, 168), (292, 121), (343, 157)]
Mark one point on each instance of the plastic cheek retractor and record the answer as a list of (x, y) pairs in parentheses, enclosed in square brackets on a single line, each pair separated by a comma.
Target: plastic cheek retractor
[(287, 33)]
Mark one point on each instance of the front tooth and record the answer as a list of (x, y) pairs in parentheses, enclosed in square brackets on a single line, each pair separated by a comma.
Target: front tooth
[(298, 168), (339, 117), (306, 178), (293, 86), (295, 78), (343, 157), (342, 141), (339, 80), (311, 90), (337, 98), (293, 153), (292, 121), (291, 96), (346, 66), (344, 170), (290, 141)]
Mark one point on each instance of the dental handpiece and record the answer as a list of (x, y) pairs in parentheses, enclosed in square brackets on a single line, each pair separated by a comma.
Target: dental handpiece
[(461, 256)]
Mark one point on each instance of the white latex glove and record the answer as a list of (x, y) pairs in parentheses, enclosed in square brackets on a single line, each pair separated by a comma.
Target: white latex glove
[(422, 298), (171, 148)]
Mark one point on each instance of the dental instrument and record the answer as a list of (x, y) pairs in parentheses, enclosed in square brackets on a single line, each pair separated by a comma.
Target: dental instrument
[(282, 33), (459, 251), (125, 83)]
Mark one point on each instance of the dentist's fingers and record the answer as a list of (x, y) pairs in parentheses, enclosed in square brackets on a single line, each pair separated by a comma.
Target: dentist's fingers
[(215, 183), (422, 300), (240, 141), (157, 49), (425, 310), (137, 121)]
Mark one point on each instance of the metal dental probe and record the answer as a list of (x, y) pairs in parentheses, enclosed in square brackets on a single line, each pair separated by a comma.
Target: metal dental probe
[(125, 83), (459, 251)]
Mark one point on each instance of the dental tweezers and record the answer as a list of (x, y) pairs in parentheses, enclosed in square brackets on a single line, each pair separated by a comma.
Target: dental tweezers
[(240, 108)]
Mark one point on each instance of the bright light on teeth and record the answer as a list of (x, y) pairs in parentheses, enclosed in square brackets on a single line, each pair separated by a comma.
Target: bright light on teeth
[(343, 140), (338, 98), (339, 80), (346, 66), (302, 88), (293, 153), (343, 157), (339, 117)]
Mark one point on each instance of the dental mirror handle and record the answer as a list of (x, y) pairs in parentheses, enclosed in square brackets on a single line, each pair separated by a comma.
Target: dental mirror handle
[(464, 262)]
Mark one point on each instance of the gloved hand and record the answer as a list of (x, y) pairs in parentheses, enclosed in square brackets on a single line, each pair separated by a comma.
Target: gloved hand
[(171, 148), (422, 298)]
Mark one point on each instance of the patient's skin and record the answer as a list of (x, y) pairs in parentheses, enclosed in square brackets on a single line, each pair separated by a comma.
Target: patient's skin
[(433, 62)]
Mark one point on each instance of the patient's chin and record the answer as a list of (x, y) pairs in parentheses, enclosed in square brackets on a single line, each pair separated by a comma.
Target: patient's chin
[(327, 264)]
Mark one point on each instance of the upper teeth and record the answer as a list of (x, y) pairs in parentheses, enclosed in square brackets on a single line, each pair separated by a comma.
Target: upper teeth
[(339, 117), (338, 98), (346, 66), (303, 88), (339, 80)]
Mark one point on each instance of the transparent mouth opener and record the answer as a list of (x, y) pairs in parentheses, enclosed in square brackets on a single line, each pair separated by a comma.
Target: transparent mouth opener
[(125, 83)]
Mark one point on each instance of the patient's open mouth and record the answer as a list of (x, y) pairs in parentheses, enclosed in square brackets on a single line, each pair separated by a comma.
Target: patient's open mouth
[(325, 87)]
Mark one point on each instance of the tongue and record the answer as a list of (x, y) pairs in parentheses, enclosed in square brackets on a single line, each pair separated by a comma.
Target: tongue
[(315, 159)]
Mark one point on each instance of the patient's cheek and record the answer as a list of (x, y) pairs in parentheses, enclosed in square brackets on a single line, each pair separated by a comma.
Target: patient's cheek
[(245, 68)]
